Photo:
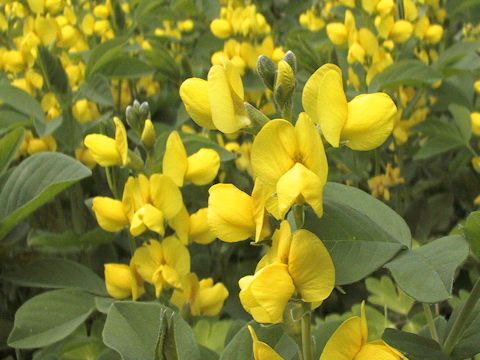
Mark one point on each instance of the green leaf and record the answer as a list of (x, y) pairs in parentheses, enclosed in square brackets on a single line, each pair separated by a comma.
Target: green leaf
[(56, 273), (468, 344), (102, 54), (21, 101), (427, 273), (97, 89), (384, 293), (69, 240), (405, 72), (10, 120), (472, 232), (53, 71), (161, 59), (461, 116), (134, 328), (50, 317), (414, 346), (360, 232), (179, 342), (10, 144), (124, 67), (212, 333), (33, 183)]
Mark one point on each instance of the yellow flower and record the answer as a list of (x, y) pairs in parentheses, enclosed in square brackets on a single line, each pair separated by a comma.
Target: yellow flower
[(85, 111), (350, 342), (83, 155), (221, 28), (122, 281), (203, 297), (476, 86), (162, 264), (401, 31), (261, 350), (107, 151), (434, 34), (298, 264), (109, 213), (218, 102), (234, 215), (148, 134), (199, 169), (291, 161), (199, 231), (337, 33), (325, 102), (475, 120)]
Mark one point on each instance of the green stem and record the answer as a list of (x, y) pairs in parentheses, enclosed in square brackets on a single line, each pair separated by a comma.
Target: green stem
[(132, 242), (430, 322), (307, 336), (459, 324)]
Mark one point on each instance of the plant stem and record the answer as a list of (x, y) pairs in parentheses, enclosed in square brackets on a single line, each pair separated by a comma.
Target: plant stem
[(459, 324), (307, 336), (132, 242), (431, 323)]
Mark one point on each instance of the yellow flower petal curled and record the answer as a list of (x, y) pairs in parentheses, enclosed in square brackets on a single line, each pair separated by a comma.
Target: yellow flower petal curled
[(230, 223), (263, 301), (165, 195), (121, 282), (211, 297), (273, 151), (224, 91), (261, 350), (337, 33), (194, 94), (202, 167), (367, 132), (109, 213), (152, 219), (199, 231), (346, 341), (377, 352), (180, 223), (221, 28), (103, 149), (121, 140), (300, 185), (175, 159), (310, 267)]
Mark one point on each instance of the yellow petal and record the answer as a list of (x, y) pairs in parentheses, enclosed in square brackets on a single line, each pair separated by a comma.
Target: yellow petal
[(310, 266), (370, 121), (109, 213), (228, 114), (260, 195), (331, 107), (180, 223), (176, 256), (137, 226), (147, 259), (199, 231), (165, 195), (121, 139), (377, 352), (47, 29), (273, 151), (175, 159), (36, 6), (346, 341), (194, 94), (310, 147), (118, 280), (202, 167), (153, 219), (313, 89), (261, 350), (297, 186), (103, 149), (266, 303), (230, 222), (210, 299)]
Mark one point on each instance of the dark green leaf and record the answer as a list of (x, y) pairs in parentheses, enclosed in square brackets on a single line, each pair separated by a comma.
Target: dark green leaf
[(97, 89), (53, 71), (56, 273), (361, 232), (427, 273), (50, 317), (33, 183), (124, 67), (10, 144), (21, 101), (102, 54), (472, 232)]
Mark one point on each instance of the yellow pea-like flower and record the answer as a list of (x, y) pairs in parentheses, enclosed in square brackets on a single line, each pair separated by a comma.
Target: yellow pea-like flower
[(401, 31), (162, 264), (46, 29), (291, 161), (85, 111), (299, 263), (36, 6), (218, 102), (325, 102), (337, 33), (261, 350), (199, 168), (148, 134), (203, 297), (434, 34), (475, 120), (110, 213), (122, 281), (221, 28), (239, 222), (350, 342), (107, 151)]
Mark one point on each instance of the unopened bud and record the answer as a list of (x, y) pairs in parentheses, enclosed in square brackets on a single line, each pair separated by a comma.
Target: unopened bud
[(266, 70)]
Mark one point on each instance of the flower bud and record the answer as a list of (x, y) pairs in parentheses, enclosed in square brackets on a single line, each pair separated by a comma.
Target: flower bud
[(401, 31), (266, 70), (148, 134), (284, 85), (433, 34), (221, 28)]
